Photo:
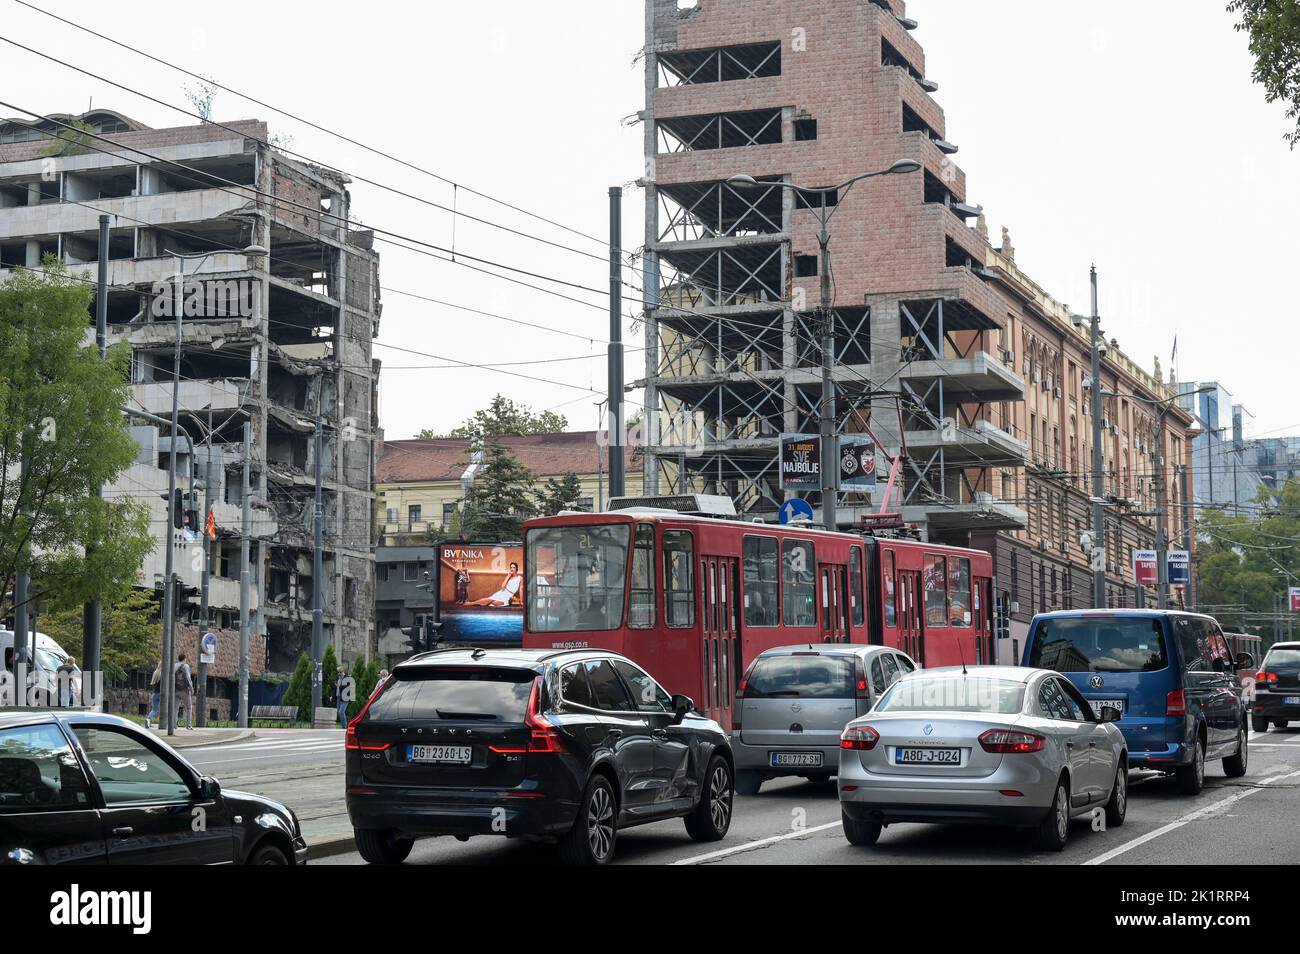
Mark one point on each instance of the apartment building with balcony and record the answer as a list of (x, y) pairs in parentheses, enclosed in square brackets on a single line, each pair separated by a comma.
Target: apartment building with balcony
[(274, 340), (951, 354)]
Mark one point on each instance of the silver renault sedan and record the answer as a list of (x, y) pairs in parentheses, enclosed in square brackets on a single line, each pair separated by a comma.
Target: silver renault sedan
[(992, 744)]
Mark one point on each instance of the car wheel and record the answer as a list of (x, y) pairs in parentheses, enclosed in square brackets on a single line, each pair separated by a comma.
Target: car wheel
[(1117, 806), (1054, 830), (381, 847), (1191, 778), (268, 855), (712, 816), (1234, 766), (591, 839), (861, 833), (748, 783), (1258, 724)]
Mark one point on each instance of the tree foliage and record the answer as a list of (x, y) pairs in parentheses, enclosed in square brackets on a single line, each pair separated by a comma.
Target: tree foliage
[(299, 691), (129, 628), (365, 675), (1245, 563), (61, 407), (503, 417), (329, 674), (499, 500), (556, 495), (1274, 29)]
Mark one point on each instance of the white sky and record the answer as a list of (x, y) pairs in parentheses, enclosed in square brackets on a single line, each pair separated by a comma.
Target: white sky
[(1123, 133)]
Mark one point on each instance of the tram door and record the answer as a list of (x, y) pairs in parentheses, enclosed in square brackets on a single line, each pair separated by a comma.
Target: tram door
[(833, 582), (985, 653), (910, 617), (721, 648)]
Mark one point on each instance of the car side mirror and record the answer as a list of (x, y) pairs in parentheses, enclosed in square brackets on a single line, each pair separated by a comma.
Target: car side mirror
[(1245, 661), (681, 705), (209, 787), (1109, 714)]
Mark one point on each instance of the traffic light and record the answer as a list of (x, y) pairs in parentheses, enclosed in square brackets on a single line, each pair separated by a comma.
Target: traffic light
[(192, 513), (178, 509), (415, 635), (431, 628)]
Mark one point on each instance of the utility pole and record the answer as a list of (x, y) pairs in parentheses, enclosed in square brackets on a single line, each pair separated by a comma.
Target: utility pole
[(91, 620), (615, 348), (246, 531), (169, 588), (1187, 535), (202, 695), (317, 583), (1162, 544), (1098, 460), (826, 418)]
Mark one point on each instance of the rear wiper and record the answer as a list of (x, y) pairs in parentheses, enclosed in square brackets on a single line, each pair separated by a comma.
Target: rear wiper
[(466, 716)]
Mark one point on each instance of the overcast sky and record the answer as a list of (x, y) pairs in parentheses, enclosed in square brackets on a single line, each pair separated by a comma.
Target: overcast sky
[(1123, 133)]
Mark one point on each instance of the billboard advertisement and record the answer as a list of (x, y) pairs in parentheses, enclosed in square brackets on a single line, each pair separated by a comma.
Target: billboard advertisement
[(1295, 599), (1146, 572), (1180, 567), (481, 592), (801, 466)]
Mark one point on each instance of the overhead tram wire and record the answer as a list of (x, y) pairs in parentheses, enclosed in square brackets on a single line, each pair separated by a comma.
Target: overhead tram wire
[(316, 126)]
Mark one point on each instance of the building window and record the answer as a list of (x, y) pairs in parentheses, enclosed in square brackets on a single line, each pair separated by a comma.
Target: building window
[(805, 129), (448, 514), (412, 515), (584, 503), (805, 266), (389, 517), (410, 572)]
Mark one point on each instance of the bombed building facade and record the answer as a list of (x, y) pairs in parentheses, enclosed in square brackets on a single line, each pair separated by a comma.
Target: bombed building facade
[(279, 304)]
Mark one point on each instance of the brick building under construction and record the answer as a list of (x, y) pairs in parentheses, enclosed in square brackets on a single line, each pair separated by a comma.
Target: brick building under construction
[(930, 317)]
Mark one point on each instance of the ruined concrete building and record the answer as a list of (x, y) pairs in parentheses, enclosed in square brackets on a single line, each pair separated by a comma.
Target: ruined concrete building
[(930, 317), (276, 338)]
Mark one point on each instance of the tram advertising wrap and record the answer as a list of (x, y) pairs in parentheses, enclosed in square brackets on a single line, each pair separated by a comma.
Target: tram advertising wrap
[(481, 593)]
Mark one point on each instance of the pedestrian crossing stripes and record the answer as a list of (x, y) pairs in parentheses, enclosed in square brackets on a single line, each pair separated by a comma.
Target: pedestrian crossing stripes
[(272, 746)]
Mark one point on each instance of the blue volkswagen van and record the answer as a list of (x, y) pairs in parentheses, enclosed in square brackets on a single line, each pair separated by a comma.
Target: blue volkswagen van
[(1171, 676)]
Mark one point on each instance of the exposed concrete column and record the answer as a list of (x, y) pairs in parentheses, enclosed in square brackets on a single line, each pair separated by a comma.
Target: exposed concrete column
[(886, 345), (33, 193), (650, 436), (33, 254)]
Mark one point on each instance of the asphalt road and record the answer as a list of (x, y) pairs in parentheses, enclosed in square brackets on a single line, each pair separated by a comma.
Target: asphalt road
[(1252, 820)]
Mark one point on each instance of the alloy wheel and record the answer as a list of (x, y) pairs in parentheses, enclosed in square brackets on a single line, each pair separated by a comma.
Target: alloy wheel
[(1121, 789), (1062, 813), (600, 822), (720, 797)]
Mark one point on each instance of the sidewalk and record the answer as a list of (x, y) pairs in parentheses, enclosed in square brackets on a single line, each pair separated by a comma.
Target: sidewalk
[(184, 738)]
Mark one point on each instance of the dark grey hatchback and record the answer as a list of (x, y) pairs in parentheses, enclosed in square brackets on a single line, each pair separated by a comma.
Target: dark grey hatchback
[(564, 746)]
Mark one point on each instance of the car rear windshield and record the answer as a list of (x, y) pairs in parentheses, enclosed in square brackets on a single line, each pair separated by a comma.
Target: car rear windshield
[(1282, 657), (1099, 644), (953, 693), (809, 676), (459, 695)]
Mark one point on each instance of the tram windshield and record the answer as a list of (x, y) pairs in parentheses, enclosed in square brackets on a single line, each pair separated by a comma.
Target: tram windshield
[(577, 577)]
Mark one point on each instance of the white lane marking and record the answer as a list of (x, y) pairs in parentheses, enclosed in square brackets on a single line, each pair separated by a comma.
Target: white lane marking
[(749, 845), (262, 744), (1180, 822)]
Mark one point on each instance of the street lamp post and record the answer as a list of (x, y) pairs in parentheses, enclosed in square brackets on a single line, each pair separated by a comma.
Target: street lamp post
[(826, 412)]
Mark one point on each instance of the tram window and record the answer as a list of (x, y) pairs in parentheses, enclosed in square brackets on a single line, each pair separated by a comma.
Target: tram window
[(580, 573), (679, 578), (887, 575), (641, 608), (959, 588), (799, 583), (761, 584), (855, 586), (936, 591)]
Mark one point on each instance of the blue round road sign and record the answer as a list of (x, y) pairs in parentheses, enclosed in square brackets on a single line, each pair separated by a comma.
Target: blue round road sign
[(794, 509)]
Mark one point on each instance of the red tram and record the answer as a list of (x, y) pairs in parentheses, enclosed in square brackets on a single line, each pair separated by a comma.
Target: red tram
[(695, 598)]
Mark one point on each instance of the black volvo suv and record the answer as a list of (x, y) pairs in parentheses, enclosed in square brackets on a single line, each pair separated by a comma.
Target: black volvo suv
[(566, 746)]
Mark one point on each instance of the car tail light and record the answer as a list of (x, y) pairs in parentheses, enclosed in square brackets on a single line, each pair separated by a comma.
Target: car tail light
[(350, 740), (862, 690), (1011, 741), (860, 737), (1265, 677), (1176, 703), (545, 737)]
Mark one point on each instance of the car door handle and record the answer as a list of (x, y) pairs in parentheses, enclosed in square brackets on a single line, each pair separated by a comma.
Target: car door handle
[(1069, 744), (615, 733), (123, 832), (1092, 745), (660, 733)]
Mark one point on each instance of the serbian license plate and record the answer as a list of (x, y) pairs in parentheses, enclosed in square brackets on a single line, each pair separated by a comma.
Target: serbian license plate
[(439, 754), (1291, 700), (795, 759), (1098, 704), (927, 756)]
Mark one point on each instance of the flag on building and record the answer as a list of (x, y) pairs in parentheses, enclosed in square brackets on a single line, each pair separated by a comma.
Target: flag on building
[(211, 526)]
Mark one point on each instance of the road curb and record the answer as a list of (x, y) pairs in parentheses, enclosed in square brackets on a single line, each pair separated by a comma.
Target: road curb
[(329, 847), (192, 741)]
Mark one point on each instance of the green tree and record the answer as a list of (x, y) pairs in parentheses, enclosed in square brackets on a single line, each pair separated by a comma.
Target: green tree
[(129, 627), (299, 691), (1274, 29), (498, 501), (503, 417), (72, 140), (556, 495), (329, 669), (1245, 563), (61, 408), (364, 677)]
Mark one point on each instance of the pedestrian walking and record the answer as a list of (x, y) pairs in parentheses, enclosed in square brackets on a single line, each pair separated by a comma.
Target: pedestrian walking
[(342, 695), (184, 683), (155, 687), (63, 680)]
